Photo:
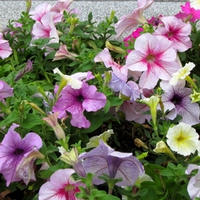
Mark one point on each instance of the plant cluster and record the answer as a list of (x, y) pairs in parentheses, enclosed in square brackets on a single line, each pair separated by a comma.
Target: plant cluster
[(87, 113)]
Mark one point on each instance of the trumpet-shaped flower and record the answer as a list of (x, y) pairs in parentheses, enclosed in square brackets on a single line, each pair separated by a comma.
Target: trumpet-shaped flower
[(13, 149), (46, 28), (104, 160), (183, 139), (61, 186), (176, 31), (195, 4), (61, 5), (154, 57), (128, 22), (193, 187), (176, 100), (182, 73), (5, 90), (76, 101)]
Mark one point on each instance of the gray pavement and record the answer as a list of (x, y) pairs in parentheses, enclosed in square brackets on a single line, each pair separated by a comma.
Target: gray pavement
[(12, 9)]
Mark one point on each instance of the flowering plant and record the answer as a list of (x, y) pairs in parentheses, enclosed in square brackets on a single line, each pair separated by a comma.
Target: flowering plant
[(88, 113)]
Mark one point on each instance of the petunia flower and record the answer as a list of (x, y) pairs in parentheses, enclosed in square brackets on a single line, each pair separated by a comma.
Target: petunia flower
[(128, 22), (5, 49), (176, 101), (61, 5), (46, 28), (195, 4), (193, 187), (61, 186), (76, 101), (13, 149), (154, 57), (104, 160), (183, 139), (188, 13), (176, 31), (5, 90)]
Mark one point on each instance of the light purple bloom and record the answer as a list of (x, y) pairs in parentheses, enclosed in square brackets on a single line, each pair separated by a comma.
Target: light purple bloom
[(76, 101), (5, 49), (104, 160), (13, 149), (5, 90), (193, 187), (177, 101)]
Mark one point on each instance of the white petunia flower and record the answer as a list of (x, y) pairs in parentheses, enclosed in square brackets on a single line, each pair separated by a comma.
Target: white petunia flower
[(195, 4), (182, 139)]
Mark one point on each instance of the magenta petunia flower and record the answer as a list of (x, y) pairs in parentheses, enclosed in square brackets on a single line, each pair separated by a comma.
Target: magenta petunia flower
[(13, 149), (5, 90), (5, 49), (128, 22), (61, 186), (104, 160), (176, 31), (188, 13), (156, 58), (76, 101), (176, 100)]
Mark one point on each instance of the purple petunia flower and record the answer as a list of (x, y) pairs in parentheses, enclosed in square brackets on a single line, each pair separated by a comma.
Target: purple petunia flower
[(177, 101), (13, 149), (76, 101), (104, 160)]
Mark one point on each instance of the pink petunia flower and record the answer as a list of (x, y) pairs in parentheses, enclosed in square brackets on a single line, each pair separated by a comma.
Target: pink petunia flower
[(5, 90), (176, 31), (128, 22), (13, 149), (5, 49), (76, 101), (61, 186), (188, 13), (104, 160), (154, 57), (176, 100), (46, 28)]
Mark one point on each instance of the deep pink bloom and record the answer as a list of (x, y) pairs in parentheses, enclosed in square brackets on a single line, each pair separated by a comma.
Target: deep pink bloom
[(5, 90), (76, 101), (5, 49), (128, 22), (188, 13), (105, 57), (176, 100), (61, 186), (104, 160), (193, 187), (176, 31), (45, 28), (155, 57), (13, 149)]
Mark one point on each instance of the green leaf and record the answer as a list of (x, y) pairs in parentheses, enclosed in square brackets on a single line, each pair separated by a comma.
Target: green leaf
[(12, 117), (31, 121)]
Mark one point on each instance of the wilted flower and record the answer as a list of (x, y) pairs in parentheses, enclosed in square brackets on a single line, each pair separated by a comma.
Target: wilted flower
[(104, 160), (13, 149), (60, 186), (183, 139)]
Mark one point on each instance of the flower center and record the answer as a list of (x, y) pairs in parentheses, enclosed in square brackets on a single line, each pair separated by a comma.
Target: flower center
[(176, 99), (80, 98), (18, 152), (180, 138), (150, 58)]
